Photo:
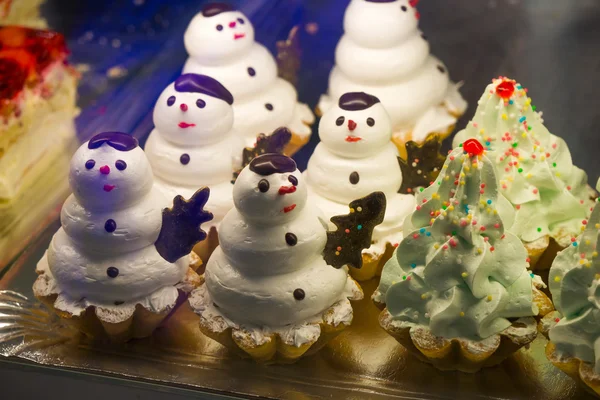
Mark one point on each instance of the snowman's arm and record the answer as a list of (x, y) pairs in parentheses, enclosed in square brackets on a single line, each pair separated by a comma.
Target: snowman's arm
[(354, 231), (288, 56), (274, 143), (181, 226)]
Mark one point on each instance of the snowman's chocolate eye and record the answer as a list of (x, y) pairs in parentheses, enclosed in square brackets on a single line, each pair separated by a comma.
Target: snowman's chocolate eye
[(293, 180), (263, 185), (171, 101), (403, 8), (219, 27), (241, 21), (121, 165), (200, 103), (340, 121), (89, 164), (370, 121)]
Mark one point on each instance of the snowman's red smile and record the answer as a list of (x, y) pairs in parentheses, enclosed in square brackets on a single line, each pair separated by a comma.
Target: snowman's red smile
[(108, 188), (353, 139), (289, 208), (237, 36), (186, 125)]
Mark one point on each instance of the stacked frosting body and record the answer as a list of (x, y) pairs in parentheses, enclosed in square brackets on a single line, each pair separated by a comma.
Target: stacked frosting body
[(269, 274), (575, 285), (220, 43), (382, 52), (104, 254), (534, 167), (193, 144), (354, 158), (458, 272)]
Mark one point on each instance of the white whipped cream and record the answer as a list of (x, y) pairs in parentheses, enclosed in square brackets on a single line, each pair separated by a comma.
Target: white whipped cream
[(353, 160), (223, 46), (382, 52), (264, 281), (104, 253)]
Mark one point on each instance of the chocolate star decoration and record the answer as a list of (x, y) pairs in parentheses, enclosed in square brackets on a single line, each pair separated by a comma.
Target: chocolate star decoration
[(181, 226), (288, 56), (422, 165), (274, 143), (354, 230)]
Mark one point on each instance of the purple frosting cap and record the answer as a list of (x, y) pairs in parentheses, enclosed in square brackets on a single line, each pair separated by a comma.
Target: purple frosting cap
[(268, 164), (212, 9), (356, 101), (117, 140), (380, 1), (195, 83)]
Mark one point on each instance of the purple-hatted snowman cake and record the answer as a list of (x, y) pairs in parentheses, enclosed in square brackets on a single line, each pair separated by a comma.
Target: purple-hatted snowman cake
[(269, 290), (120, 261), (220, 43), (193, 145), (356, 156)]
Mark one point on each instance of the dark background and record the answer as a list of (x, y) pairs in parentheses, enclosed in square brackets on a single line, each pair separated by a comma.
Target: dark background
[(549, 46)]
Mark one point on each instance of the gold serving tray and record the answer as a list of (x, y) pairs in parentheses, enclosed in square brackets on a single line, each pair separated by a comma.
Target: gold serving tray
[(362, 363)]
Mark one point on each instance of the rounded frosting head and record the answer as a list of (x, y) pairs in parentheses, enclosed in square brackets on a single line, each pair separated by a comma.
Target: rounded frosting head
[(358, 126), (379, 24), (194, 110), (217, 33), (270, 190), (110, 171)]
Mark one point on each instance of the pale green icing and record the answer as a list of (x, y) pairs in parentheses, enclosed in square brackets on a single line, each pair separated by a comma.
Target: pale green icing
[(535, 169), (458, 272), (574, 281)]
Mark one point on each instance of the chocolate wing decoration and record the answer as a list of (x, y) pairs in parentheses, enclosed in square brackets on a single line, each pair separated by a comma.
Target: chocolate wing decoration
[(422, 165), (344, 246), (288, 56), (181, 225), (274, 143)]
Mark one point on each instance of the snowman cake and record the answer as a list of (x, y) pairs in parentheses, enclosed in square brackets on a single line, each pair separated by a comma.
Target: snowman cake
[(113, 266), (193, 145), (220, 43), (383, 52), (269, 291), (354, 158)]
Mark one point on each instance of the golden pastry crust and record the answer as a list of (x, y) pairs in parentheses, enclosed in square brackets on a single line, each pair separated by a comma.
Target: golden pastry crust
[(582, 372), (462, 354), (107, 325), (272, 348), (372, 264)]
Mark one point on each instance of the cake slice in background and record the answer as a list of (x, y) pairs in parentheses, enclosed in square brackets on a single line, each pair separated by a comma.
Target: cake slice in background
[(37, 132), (22, 13)]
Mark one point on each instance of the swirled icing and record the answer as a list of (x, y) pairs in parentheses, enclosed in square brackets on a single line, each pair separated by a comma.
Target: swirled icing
[(574, 281), (458, 272), (535, 169), (263, 102), (254, 276), (196, 147), (382, 52), (104, 252), (340, 171)]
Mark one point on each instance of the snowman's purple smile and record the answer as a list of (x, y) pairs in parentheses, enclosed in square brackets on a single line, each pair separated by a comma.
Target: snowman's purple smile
[(108, 188)]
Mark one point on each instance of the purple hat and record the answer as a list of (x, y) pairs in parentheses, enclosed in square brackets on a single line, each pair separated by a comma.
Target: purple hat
[(212, 9), (356, 101), (195, 83), (117, 140)]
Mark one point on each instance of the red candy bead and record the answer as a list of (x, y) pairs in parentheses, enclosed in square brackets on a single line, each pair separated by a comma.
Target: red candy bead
[(505, 89), (472, 146)]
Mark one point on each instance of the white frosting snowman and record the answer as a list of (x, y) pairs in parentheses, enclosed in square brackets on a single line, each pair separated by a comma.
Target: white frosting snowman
[(356, 157), (220, 43), (193, 144), (382, 52), (269, 270), (104, 253)]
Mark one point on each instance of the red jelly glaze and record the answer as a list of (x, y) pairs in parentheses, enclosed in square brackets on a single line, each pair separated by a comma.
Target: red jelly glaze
[(473, 147), (24, 54), (505, 89)]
